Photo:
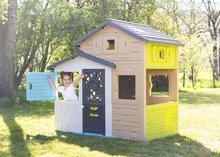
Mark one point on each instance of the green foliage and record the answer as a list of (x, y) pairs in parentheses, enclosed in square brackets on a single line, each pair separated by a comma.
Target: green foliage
[(46, 30), (3, 10), (193, 57)]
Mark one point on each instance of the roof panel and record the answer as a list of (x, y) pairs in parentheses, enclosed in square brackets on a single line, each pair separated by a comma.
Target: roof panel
[(142, 32), (84, 55)]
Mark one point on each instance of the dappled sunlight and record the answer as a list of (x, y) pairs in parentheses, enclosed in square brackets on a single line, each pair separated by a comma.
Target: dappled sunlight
[(200, 121), (4, 138), (29, 131), (176, 144), (208, 96), (17, 145), (96, 146), (45, 125)]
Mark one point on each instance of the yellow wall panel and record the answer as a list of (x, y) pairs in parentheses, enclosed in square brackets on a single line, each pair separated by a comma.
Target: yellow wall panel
[(161, 120), (160, 56)]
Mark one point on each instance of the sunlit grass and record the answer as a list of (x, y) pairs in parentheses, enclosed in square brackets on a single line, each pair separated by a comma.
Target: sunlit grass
[(204, 80), (28, 130), (200, 116)]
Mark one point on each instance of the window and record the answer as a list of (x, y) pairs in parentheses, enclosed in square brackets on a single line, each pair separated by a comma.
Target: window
[(126, 87), (162, 55), (160, 85), (111, 45), (60, 83)]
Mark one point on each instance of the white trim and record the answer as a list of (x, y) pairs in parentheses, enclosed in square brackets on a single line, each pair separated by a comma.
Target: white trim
[(108, 103)]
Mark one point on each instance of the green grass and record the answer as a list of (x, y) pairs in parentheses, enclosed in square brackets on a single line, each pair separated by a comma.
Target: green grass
[(28, 130), (200, 116)]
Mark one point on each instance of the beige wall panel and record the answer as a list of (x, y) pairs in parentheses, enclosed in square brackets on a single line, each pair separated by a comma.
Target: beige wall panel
[(97, 45), (124, 67), (131, 112), (124, 43), (118, 102), (121, 56), (127, 111), (141, 92), (115, 91), (127, 128), (122, 60), (125, 118), (122, 123), (125, 135), (129, 106)]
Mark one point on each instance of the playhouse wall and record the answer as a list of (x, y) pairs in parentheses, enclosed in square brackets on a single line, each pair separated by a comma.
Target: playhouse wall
[(128, 116), (161, 111), (161, 56), (68, 116), (161, 120), (76, 65)]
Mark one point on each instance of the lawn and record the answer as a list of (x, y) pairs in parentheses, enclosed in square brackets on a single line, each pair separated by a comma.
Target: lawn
[(28, 130)]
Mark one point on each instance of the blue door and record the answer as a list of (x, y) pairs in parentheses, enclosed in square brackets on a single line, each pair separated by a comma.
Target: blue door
[(38, 87)]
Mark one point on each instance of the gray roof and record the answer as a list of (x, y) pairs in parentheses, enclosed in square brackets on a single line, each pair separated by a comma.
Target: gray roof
[(85, 55), (142, 32)]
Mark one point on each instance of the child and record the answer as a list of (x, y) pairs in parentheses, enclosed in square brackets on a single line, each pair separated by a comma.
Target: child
[(67, 89)]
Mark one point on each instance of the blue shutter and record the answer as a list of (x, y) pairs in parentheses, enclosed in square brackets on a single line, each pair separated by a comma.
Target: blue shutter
[(38, 87)]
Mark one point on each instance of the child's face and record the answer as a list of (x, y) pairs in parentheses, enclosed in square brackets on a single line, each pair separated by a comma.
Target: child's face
[(67, 80)]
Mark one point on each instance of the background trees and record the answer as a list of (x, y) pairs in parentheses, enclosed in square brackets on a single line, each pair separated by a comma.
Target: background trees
[(46, 31)]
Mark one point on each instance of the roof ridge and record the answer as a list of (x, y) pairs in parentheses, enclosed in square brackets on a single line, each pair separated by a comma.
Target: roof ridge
[(110, 19)]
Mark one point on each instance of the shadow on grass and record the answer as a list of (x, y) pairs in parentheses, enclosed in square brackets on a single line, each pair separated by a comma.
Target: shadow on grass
[(18, 145), (195, 98), (9, 110), (171, 146), (34, 108)]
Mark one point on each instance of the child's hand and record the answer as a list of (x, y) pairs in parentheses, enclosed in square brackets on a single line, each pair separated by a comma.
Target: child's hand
[(49, 77), (82, 76)]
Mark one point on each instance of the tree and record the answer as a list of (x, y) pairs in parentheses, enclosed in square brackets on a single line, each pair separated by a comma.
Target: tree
[(46, 32), (193, 56), (7, 66), (213, 21)]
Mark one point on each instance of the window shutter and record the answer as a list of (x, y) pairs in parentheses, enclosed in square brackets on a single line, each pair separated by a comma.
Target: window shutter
[(38, 87)]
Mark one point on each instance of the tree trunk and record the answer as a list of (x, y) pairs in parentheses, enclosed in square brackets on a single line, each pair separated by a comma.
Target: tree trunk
[(219, 61), (184, 78), (213, 73), (213, 79), (215, 62), (44, 58), (192, 74), (7, 64), (213, 26)]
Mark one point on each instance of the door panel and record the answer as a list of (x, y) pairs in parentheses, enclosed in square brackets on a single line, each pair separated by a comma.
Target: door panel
[(94, 101)]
